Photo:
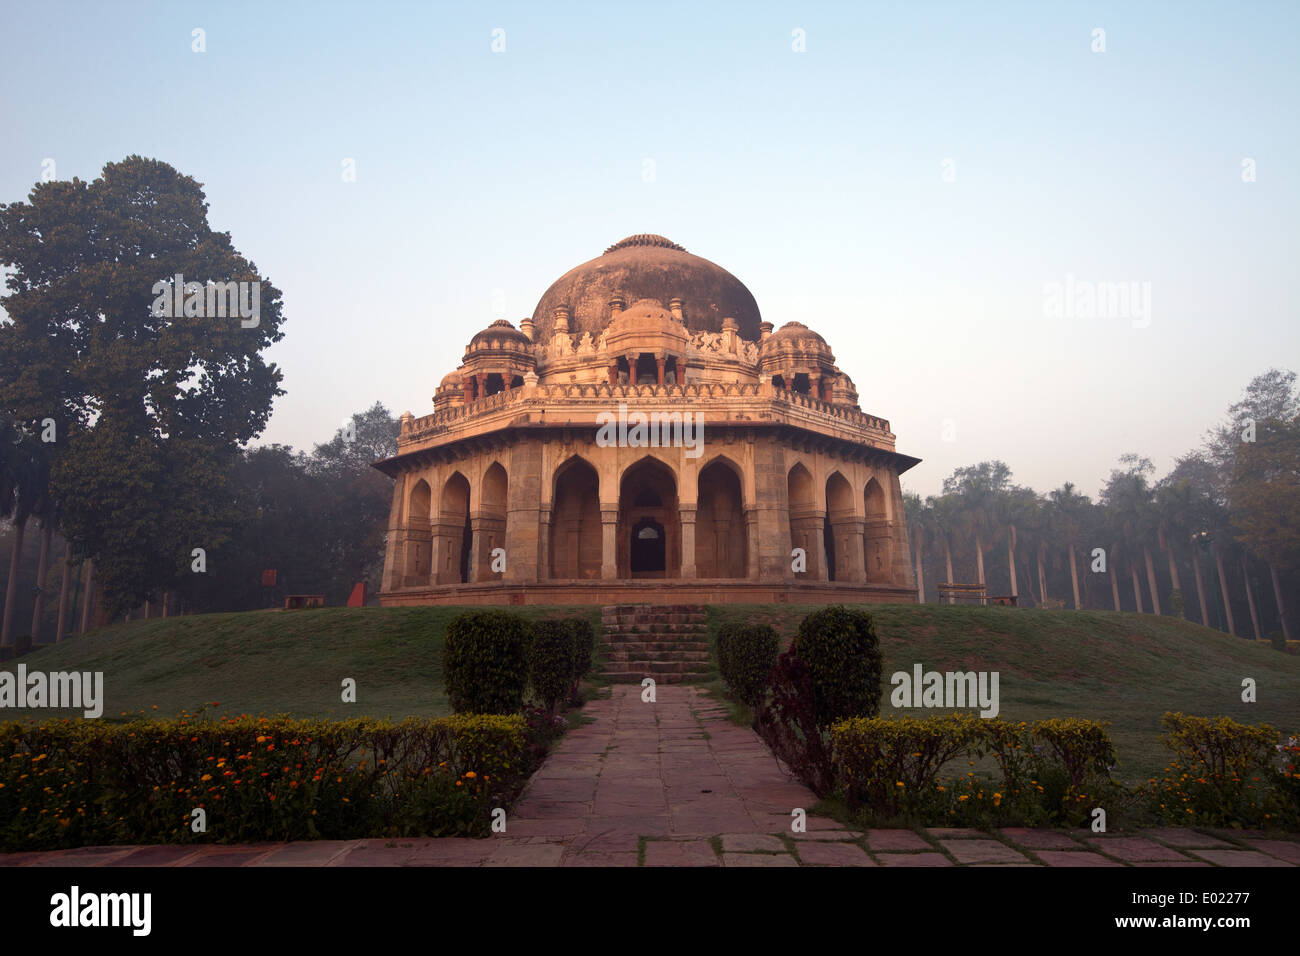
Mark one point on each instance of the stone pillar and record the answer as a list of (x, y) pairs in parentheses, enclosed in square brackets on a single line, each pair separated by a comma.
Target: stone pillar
[(675, 307), (544, 545), (851, 549), (751, 537), (609, 543), (659, 366), (688, 543), (507, 380), (482, 385), (613, 373), (808, 531)]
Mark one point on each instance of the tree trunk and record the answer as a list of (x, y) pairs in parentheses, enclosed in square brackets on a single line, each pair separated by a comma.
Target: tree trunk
[(1200, 589), (65, 591), (1137, 587), (917, 540), (1250, 599), (1277, 596), (979, 562), (1042, 580), (11, 591), (1151, 580), (167, 596), (947, 552), (47, 534), (88, 574), (1223, 587), (1074, 577), (1173, 576), (1114, 575), (1011, 563)]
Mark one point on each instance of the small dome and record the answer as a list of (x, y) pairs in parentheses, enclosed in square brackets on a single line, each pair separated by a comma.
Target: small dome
[(795, 336), (450, 380), (501, 331)]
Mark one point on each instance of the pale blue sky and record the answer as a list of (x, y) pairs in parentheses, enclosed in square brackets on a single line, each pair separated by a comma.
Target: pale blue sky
[(815, 177)]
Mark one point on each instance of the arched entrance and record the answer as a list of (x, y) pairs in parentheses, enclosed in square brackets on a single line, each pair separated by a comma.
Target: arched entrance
[(649, 523), (721, 538), (575, 539), (878, 540), (807, 526), (455, 540), (418, 535)]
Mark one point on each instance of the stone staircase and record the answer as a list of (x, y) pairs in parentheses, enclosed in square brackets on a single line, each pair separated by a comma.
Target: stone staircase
[(667, 642)]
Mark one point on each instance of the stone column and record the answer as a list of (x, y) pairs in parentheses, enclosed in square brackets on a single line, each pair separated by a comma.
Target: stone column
[(482, 385), (849, 560), (613, 373), (751, 537), (467, 389), (808, 530), (659, 365), (545, 570), (609, 543), (688, 543)]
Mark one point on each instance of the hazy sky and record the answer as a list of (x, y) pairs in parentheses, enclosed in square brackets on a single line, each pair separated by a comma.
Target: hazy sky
[(908, 186)]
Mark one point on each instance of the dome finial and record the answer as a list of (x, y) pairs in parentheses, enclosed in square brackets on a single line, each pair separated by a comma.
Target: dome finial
[(644, 239)]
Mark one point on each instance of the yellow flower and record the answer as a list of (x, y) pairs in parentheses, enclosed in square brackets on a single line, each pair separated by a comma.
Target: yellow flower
[(206, 776), (471, 774)]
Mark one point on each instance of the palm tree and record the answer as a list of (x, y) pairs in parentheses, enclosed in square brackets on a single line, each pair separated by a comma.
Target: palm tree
[(1068, 511)]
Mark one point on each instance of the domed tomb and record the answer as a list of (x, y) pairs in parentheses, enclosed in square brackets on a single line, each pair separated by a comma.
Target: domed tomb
[(648, 267)]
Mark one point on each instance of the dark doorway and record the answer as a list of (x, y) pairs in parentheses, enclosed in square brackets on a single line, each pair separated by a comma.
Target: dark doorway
[(648, 550), (466, 545)]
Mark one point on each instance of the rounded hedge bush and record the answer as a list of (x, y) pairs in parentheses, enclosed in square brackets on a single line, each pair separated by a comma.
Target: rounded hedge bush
[(746, 655), (485, 662), (839, 646), (550, 663)]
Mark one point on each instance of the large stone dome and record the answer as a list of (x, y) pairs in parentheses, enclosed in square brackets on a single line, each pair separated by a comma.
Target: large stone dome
[(648, 267)]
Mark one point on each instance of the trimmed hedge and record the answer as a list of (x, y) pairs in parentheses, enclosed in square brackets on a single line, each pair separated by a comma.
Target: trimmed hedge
[(485, 662), (839, 646), (551, 662), (1052, 771), (67, 783), (746, 655), (584, 646)]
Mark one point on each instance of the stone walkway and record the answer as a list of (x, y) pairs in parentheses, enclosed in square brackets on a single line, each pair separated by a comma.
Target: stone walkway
[(674, 783)]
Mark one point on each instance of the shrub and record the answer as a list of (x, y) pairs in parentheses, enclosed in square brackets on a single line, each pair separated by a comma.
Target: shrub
[(1225, 774), (893, 763), (484, 662), (550, 663), (751, 652), (788, 724), (839, 646), (76, 783), (584, 645)]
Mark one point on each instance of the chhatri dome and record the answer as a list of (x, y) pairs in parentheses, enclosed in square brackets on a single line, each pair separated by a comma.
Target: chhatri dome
[(761, 479)]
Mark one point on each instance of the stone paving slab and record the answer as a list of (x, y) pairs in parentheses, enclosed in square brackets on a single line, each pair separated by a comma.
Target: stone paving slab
[(661, 784)]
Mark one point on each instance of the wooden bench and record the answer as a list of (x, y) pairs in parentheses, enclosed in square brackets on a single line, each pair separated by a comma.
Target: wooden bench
[(977, 592), (1005, 600), (296, 602)]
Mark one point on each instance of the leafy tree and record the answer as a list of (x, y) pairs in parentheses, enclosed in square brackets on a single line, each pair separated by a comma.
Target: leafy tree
[(146, 405)]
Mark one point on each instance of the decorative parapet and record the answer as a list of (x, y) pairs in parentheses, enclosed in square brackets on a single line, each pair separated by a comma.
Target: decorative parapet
[(546, 398)]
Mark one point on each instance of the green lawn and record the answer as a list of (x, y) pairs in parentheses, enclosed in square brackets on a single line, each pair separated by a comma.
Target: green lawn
[(269, 662), (1125, 668)]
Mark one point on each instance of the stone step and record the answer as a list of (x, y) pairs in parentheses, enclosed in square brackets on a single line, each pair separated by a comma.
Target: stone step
[(645, 654), (656, 647), (687, 630), (641, 620)]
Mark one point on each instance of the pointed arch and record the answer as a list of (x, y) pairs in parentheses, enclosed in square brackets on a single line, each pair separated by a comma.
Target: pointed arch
[(575, 536), (721, 536)]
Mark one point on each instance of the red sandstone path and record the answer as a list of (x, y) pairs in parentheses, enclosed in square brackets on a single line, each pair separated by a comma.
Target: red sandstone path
[(674, 783)]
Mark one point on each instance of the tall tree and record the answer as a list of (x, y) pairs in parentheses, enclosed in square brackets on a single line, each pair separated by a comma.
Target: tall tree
[(148, 399)]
